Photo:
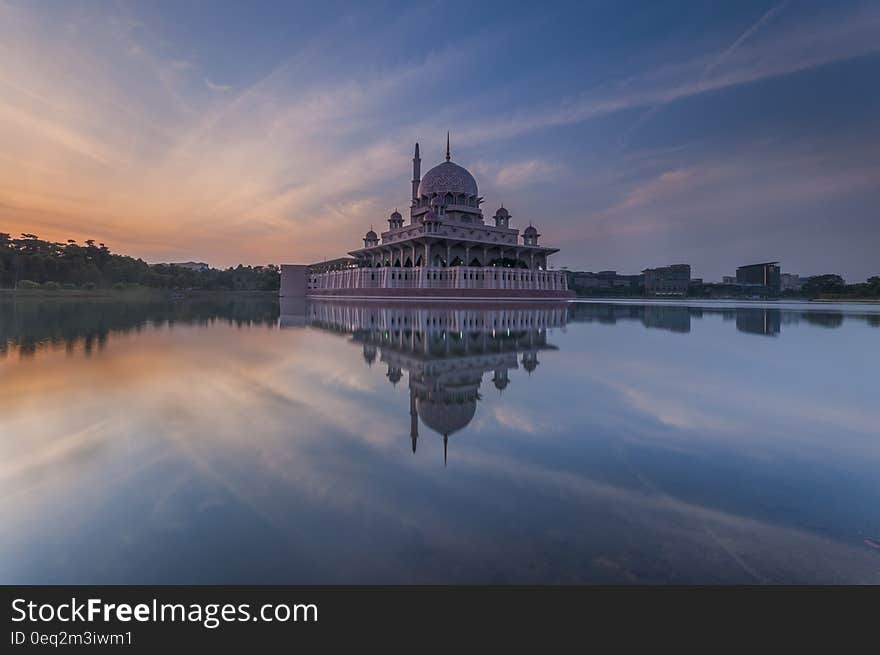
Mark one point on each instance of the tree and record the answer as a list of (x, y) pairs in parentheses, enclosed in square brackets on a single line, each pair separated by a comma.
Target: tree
[(824, 284)]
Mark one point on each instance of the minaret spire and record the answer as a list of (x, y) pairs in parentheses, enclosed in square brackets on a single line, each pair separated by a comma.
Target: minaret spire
[(448, 156)]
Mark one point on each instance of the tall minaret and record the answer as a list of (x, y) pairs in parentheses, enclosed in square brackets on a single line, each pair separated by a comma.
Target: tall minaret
[(448, 155), (417, 175)]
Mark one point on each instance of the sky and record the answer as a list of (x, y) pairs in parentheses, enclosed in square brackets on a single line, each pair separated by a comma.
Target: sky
[(632, 134)]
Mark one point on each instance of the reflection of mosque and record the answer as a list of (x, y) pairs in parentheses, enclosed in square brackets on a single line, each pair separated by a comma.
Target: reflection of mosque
[(446, 350), (677, 318)]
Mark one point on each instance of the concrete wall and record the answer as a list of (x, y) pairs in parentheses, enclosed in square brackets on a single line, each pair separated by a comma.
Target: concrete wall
[(294, 280)]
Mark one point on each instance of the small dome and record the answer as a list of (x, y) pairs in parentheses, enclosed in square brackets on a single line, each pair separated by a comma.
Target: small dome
[(369, 353), (530, 231), (371, 236), (448, 178), (395, 216), (502, 212)]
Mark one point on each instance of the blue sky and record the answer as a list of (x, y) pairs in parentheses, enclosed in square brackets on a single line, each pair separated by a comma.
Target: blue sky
[(631, 134)]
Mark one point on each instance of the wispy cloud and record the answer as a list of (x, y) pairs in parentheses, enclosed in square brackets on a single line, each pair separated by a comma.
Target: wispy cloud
[(217, 87)]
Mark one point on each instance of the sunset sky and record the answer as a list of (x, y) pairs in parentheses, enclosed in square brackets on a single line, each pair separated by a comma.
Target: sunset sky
[(631, 134)]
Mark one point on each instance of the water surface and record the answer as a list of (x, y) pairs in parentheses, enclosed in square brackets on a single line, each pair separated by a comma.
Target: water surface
[(236, 441)]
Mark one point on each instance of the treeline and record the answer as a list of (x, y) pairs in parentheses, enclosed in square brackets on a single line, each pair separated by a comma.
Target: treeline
[(30, 326), (834, 286), (31, 262)]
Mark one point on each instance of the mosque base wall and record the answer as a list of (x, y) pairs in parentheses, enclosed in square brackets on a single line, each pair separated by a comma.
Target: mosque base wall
[(444, 294)]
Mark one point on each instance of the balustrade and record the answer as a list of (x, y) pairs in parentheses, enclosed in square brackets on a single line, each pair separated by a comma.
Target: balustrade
[(454, 277)]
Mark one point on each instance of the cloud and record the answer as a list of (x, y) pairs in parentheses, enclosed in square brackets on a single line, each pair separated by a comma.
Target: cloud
[(525, 172), (217, 87), (753, 29), (801, 46)]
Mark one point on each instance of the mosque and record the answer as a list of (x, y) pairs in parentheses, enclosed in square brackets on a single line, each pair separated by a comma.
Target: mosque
[(445, 250)]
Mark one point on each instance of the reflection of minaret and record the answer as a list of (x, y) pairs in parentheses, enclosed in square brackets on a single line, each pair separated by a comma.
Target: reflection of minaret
[(445, 443), (369, 353), (500, 379), (530, 361), (413, 418)]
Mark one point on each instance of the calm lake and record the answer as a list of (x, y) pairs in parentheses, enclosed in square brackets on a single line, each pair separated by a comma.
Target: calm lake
[(239, 441)]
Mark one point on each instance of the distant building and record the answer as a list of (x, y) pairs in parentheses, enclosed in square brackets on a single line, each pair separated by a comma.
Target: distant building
[(792, 282), (605, 282), (193, 266), (672, 280), (728, 279), (765, 275)]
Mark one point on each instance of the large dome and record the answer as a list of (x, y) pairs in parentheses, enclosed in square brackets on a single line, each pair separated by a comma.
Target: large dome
[(448, 178), (448, 417)]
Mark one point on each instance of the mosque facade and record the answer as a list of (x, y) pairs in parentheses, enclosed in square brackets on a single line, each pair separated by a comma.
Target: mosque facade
[(445, 249)]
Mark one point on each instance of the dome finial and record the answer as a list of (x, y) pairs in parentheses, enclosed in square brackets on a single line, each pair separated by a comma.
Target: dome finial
[(448, 156)]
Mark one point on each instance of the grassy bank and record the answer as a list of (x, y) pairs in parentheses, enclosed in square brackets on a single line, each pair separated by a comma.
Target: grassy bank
[(845, 299)]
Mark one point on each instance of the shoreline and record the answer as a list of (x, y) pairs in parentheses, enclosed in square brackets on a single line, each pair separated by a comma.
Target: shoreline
[(681, 299), (135, 294)]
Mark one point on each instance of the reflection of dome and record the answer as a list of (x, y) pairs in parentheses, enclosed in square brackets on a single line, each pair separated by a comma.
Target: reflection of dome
[(369, 353), (446, 418), (448, 178), (394, 374), (530, 361), (500, 380)]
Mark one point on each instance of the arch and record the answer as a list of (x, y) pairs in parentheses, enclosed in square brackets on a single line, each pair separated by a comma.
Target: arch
[(504, 262), (419, 260), (475, 262), (439, 261), (408, 263), (397, 263)]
